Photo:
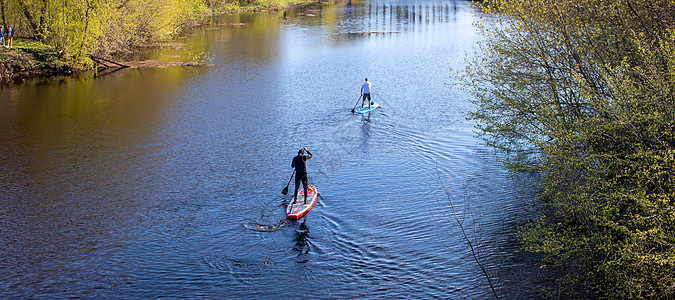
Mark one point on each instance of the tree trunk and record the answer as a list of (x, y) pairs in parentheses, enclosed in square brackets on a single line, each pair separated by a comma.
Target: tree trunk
[(44, 20), (36, 26), (2, 12)]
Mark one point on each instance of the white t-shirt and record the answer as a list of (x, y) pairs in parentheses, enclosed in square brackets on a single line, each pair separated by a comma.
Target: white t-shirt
[(366, 87)]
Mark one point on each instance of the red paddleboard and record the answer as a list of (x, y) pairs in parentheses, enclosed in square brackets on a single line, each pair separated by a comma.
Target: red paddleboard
[(300, 209)]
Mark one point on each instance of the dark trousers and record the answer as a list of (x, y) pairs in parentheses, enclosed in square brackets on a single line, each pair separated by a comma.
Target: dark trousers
[(366, 95), (300, 177)]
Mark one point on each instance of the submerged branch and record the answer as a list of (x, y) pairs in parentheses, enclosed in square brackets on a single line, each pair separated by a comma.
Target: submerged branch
[(472, 246)]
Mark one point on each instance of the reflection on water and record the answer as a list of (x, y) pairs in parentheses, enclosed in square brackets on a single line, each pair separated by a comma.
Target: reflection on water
[(302, 242), (165, 182)]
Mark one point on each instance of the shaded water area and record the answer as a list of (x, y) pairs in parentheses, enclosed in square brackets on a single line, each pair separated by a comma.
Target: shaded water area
[(166, 182)]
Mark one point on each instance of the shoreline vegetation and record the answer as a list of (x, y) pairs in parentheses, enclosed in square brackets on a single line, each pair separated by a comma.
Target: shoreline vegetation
[(85, 44), (581, 94)]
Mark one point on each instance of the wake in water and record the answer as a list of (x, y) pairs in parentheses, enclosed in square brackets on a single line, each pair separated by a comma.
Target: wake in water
[(266, 228)]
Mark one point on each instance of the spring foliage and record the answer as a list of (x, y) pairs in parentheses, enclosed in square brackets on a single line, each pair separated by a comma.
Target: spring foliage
[(583, 91), (79, 28)]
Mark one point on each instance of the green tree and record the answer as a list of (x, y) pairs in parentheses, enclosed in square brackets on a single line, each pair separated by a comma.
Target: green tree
[(79, 28), (584, 92)]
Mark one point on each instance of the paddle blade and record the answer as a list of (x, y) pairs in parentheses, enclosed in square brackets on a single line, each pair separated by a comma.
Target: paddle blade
[(285, 190)]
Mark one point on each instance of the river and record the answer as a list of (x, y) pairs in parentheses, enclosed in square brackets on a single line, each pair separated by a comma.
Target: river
[(166, 182)]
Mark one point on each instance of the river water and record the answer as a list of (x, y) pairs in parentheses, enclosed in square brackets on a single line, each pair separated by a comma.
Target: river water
[(166, 182)]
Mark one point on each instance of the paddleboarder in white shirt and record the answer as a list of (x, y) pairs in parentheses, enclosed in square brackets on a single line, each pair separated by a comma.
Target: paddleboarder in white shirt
[(365, 92)]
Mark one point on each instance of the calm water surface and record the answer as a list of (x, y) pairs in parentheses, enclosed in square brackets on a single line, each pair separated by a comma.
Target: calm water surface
[(166, 182)]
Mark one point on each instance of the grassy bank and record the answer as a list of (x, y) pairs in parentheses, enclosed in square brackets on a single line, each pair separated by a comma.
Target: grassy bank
[(30, 58)]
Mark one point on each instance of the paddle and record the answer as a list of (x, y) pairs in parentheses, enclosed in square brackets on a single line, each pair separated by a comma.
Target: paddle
[(285, 190), (357, 103)]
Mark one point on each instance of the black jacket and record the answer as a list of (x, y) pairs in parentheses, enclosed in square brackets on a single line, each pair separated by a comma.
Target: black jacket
[(300, 163)]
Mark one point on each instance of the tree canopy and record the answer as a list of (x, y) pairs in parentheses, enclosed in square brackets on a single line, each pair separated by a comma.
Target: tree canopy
[(79, 28), (583, 92)]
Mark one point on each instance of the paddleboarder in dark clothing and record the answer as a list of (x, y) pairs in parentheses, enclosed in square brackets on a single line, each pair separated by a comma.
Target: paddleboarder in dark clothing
[(300, 165)]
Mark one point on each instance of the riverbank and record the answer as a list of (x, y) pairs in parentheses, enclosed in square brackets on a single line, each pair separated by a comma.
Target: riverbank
[(29, 58)]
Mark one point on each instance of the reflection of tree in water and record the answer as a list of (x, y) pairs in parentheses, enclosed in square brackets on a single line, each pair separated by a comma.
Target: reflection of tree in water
[(302, 242)]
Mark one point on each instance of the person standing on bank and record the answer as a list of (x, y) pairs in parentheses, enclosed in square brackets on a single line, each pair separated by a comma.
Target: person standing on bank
[(365, 92), (300, 165), (10, 35), (2, 35)]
